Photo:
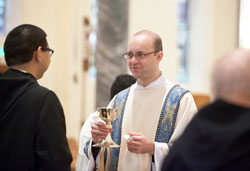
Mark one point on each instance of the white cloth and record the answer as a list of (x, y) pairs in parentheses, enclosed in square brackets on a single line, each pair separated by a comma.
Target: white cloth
[(141, 115)]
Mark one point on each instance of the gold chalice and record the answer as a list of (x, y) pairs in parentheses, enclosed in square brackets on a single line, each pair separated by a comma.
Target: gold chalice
[(108, 115)]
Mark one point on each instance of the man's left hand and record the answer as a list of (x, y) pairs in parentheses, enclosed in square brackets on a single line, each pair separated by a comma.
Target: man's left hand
[(139, 144)]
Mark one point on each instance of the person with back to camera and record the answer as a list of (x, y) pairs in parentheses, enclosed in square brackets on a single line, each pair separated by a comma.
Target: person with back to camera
[(218, 137), (32, 123), (153, 113)]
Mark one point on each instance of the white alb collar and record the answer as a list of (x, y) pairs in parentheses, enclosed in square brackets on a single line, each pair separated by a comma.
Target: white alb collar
[(160, 82)]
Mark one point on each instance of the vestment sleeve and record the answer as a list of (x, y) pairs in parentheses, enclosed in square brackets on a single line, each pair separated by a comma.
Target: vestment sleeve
[(85, 159), (186, 112), (51, 146)]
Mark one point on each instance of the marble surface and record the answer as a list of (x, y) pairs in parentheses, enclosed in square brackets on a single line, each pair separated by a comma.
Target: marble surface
[(112, 37)]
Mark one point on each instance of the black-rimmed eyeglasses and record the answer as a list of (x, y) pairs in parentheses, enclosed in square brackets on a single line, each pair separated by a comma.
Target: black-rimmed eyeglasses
[(49, 50), (139, 54)]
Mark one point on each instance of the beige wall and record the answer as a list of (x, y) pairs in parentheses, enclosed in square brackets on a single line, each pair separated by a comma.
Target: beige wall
[(160, 17), (214, 31)]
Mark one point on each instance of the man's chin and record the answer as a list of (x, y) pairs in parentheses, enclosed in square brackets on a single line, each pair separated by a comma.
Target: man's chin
[(136, 75)]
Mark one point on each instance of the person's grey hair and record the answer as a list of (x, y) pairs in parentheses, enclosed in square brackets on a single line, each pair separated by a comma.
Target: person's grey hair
[(231, 75)]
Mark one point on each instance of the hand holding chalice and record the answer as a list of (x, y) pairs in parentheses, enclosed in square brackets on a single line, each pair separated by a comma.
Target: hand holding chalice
[(107, 115)]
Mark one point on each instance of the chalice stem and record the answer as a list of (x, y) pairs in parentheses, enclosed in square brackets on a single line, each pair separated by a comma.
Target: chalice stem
[(108, 141)]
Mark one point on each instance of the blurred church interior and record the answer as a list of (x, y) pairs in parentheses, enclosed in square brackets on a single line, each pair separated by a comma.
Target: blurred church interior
[(90, 36)]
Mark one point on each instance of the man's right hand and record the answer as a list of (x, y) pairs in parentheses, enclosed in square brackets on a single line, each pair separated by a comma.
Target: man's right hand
[(99, 132)]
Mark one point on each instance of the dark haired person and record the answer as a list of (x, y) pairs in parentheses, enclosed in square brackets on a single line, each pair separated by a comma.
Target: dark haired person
[(218, 137), (120, 83), (153, 113), (32, 123)]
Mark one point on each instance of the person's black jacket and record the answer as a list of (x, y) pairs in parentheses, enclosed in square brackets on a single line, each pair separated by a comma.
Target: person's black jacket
[(32, 126), (217, 139)]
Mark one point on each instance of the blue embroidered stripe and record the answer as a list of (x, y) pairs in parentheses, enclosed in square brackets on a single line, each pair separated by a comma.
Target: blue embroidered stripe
[(85, 149), (119, 102), (168, 115)]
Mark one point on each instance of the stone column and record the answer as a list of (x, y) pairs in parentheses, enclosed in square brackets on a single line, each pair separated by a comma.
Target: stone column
[(112, 40)]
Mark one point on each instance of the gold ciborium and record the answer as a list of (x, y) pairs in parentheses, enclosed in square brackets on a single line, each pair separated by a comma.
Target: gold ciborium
[(108, 115)]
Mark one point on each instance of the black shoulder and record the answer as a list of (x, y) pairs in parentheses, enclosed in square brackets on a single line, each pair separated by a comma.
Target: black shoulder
[(42, 92)]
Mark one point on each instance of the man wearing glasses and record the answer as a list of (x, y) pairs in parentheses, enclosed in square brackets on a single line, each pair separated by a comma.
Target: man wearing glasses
[(153, 113), (32, 123)]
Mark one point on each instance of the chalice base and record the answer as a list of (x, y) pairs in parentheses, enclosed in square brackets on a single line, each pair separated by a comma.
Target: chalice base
[(108, 142)]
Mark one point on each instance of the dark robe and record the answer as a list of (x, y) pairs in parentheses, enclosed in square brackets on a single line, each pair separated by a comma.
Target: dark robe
[(217, 139), (32, 126)]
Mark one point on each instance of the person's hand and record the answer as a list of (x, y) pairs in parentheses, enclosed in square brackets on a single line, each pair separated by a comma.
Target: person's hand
[(139, 144), (99, 132)]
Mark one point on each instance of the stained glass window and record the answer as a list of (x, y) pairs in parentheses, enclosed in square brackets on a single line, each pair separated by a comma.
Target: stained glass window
[(93, 36), (182, 40), (2, 16)]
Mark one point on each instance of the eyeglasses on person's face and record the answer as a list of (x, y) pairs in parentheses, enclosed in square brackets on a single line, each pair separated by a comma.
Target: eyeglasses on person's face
[(49, 50), (139, 54)]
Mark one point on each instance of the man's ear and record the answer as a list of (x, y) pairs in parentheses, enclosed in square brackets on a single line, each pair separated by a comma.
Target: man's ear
[(38, 54), (159, 55)]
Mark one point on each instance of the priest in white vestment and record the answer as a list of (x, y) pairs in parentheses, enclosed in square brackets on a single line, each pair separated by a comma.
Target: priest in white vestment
[(153, 114)]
